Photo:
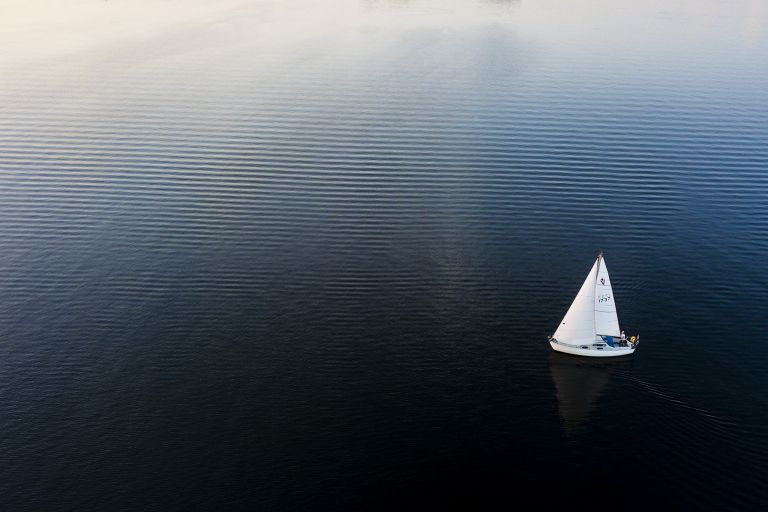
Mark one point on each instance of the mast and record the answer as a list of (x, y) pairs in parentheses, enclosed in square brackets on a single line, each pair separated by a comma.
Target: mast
[(599, 257), (594, 284)]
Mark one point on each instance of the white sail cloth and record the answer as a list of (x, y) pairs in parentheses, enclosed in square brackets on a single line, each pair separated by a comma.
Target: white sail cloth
[(593, 311), (606, 321)]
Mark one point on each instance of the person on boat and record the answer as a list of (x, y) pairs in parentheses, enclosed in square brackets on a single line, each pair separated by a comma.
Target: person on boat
[(623, 338)]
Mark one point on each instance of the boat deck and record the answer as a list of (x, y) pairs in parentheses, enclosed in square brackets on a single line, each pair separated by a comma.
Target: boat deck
[(596, 349)]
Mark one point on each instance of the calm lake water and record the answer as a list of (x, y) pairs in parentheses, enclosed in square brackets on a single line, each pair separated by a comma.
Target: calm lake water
[(298, 255)]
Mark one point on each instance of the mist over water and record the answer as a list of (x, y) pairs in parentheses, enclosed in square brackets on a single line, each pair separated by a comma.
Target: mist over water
[(306, 255)]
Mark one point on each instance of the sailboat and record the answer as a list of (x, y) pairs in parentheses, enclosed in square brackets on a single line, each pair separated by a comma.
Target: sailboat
[(591, 327)]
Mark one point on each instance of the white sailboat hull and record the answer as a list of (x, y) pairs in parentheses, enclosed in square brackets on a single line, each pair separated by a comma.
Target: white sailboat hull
[(591, 350), (591, 324)]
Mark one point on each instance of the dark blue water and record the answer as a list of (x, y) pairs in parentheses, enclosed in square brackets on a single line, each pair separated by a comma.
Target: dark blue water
[(289, 256)]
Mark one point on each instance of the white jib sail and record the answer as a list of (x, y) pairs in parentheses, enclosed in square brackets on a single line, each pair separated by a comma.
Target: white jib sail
[(578, 325), (606, 321)]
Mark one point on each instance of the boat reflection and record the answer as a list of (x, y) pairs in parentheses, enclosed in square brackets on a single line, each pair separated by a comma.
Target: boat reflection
[(579, 383)]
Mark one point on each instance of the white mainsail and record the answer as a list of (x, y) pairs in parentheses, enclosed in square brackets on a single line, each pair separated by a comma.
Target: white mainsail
[(606, 321), (578, 325), (593, 311)]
